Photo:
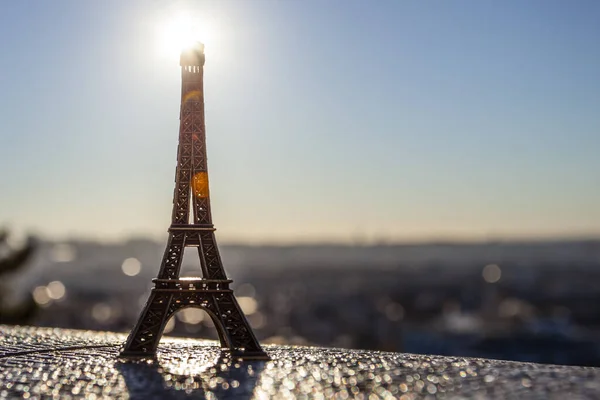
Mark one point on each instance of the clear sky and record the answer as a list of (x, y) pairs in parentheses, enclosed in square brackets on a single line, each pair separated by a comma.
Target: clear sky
[(326, 120)]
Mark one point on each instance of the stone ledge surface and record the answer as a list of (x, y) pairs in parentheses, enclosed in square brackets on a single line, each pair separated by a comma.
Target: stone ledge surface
[(39, 363)]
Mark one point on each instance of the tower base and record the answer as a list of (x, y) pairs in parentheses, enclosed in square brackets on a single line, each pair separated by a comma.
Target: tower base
[(213, 296)]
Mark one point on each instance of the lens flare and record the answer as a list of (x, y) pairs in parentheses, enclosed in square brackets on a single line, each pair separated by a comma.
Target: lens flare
[(181, 31), (192, 95), (200, 185)]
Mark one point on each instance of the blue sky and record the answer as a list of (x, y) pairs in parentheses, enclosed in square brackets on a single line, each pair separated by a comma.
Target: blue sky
[(326, 120)]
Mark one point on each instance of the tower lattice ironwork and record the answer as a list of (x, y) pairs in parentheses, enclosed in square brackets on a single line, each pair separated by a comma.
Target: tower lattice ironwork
[(211, 293)]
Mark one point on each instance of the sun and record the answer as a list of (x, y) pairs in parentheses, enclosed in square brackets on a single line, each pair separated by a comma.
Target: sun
[(181, 31)]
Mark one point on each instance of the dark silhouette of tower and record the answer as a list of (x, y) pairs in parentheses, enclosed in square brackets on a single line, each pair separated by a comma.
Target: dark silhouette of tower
[(211, 292)]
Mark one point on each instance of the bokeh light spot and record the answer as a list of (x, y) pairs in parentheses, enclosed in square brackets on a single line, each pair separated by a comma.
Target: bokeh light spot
[(248, 305), (257, 320), (40, 295), (56, 290), (245, 289), (191, 316), (394, 311), (101, 312), (169, 326), (491, 273), (63, 252), (131, 266)]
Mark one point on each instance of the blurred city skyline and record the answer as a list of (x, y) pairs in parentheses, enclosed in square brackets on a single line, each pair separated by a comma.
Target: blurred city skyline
[(326, 121)]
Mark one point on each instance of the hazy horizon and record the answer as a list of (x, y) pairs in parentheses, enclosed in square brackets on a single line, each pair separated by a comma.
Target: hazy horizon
[(19, 235), (326, 121)]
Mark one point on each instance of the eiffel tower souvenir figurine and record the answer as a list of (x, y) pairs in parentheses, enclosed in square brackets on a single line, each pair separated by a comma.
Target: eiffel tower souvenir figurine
[(211, 292)]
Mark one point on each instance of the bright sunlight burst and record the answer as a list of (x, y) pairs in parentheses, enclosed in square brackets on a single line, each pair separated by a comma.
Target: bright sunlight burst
[(181, 30)]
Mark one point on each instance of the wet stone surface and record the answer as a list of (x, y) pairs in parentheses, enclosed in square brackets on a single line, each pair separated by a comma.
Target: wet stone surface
[(55, 363)]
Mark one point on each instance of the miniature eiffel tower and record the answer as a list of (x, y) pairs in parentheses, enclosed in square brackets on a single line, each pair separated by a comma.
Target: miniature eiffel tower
[(211, 293)]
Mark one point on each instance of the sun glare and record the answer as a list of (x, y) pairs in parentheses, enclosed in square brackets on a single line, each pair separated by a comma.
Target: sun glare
[(180, 31)]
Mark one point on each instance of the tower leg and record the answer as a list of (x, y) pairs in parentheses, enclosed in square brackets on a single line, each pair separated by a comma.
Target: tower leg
[(242, 341), (143, 339)]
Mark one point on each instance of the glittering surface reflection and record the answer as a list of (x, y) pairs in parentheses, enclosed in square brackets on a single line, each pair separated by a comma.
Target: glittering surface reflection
[(53, 363)]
